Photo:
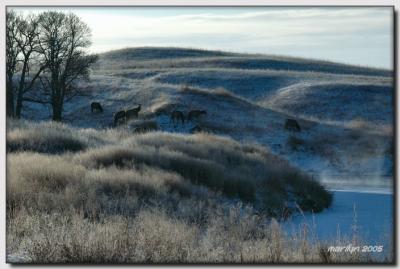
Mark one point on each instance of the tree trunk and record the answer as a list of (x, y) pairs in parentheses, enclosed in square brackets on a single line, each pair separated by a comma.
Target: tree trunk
[(18, 107), (56, 96), (9, 99), (21, 88), (57, 113), (57, 109)]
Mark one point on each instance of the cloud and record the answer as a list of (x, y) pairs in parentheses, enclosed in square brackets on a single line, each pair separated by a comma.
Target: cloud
[(301, 31)]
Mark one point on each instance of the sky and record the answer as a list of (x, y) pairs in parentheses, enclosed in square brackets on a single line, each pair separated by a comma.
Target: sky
[(353, 35)]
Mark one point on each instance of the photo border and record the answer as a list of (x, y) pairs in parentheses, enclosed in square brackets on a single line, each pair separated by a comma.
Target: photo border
[(234, 3)]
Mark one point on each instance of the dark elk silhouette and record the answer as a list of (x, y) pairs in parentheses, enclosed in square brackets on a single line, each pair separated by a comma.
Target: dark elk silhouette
[(125, 115), (196, 129), (120, 115), (132, 113), (292, 125), (148, 126), (95, 106), (196, 114), (177, 115)]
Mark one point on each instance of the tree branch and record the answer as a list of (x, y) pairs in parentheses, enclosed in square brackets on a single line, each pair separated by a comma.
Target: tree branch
[(33, 100)]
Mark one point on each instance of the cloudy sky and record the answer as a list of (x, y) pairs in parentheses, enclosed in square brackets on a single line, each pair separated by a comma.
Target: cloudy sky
[(361, 36)]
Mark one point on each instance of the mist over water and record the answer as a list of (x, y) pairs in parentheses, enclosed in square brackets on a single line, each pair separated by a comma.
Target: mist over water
[(370, 184)]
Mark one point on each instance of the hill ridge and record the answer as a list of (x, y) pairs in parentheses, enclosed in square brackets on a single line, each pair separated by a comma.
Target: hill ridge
[(175, 57)]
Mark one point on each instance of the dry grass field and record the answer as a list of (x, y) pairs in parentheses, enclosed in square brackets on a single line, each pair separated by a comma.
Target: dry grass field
[(111, 196)]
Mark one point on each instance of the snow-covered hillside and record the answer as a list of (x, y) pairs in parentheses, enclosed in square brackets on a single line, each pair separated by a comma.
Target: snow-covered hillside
[(345, 112), (331, 101)]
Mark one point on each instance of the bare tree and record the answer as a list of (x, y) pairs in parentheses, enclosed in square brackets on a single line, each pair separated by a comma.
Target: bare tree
[(12, 52), (63, 40), (27, 39), (22, 56)]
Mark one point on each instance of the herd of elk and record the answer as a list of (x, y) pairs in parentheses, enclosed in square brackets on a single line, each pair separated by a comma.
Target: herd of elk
[(123, 116), (120, 116)]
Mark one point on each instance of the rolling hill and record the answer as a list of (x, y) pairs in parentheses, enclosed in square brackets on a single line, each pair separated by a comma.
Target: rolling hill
[(345, 112)]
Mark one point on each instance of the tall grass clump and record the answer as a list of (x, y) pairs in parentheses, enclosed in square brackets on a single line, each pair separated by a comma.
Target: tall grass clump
[(220, 164), (49, 137)]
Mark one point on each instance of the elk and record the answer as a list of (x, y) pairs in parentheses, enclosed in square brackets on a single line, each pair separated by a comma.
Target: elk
[(177, 115), (132, 113), (292, 125), (120, 115), (95, 106), (196, 129), (196, 114), (146, 126)]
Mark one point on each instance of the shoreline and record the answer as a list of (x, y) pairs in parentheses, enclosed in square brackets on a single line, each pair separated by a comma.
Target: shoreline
[(365, 215)]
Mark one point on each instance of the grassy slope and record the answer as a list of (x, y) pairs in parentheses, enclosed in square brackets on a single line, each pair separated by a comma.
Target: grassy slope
[(238, 171), (330, 101), (103, 180), (172, 57), (248, 97)]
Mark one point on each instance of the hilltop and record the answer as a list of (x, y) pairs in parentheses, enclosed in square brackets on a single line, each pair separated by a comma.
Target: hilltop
[(200, 58)]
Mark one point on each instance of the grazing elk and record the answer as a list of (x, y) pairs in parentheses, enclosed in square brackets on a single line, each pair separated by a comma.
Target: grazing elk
[(292, 125), (120, 115), (196, 114), (95, 106), (132, 113), (196, 129), (177, 115), (146, 126)]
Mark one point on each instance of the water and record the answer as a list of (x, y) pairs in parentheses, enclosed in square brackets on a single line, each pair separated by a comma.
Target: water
[(368, 215)]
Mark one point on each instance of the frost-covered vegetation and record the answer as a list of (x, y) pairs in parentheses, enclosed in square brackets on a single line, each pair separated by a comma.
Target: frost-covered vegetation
[(156, 197), (206, 190), (130, 189), (341, 108)]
